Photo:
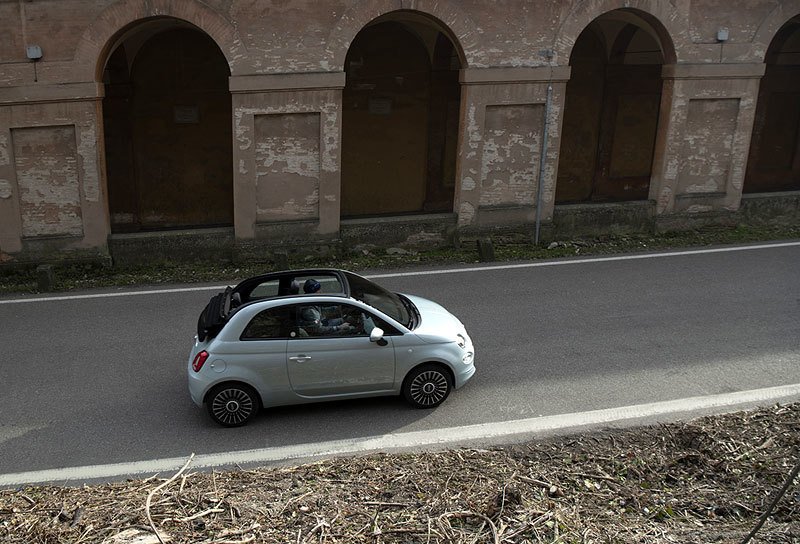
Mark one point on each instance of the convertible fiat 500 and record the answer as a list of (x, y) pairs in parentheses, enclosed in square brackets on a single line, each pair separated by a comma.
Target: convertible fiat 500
[(317, 335)]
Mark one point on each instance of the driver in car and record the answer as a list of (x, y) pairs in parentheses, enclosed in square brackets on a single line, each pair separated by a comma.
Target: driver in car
[(312, 320)]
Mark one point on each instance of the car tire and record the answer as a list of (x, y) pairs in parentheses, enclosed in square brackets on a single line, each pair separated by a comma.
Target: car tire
[(427, 386), (233, 404)]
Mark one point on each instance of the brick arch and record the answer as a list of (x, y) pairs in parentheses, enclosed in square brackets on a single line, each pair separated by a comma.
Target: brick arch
[(665, 20), (453, 22), (770, 26), (97, 41)]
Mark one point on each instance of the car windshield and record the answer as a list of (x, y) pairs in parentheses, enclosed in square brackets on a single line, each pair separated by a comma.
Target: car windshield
[(379, 298)]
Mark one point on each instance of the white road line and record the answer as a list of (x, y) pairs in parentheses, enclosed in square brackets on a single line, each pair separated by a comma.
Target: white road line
[(588, 260), (113, 295), (434, 438), (430, 272)]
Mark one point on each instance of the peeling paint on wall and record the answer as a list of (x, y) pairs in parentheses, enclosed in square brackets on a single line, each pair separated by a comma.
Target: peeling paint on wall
[(87, 149), (708, 145), (288, 156), (243, 123), (509, 165), (473, 133), (47, 175), (548, 186), (673, 165), (466, 214), (287, 166), (242, 128), (4, 158), (664, 200), (330, 135)]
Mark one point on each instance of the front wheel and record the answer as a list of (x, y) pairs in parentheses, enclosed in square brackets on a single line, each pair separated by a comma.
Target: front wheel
[(427, 386), (233, 404)]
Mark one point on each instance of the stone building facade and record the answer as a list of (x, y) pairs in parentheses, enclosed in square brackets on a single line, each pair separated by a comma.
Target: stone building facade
[(130, 126)]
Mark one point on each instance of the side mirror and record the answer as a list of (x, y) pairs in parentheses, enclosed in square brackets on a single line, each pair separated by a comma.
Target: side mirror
[(377, 336)]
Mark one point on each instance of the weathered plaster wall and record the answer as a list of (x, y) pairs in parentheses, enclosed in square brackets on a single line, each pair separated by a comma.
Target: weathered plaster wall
[(52, 193), (286, 61), (512, 143), (707, 146), (286, 155), (287, 166), (10, 217), (704, 136), (307, 36), (502, 120), (46, 162)]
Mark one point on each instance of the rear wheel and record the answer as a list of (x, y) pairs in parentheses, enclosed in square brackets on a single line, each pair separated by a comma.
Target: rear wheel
[(427, 386), (233, 404)]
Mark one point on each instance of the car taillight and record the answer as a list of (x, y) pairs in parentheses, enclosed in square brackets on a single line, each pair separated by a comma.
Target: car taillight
[(199, 360)]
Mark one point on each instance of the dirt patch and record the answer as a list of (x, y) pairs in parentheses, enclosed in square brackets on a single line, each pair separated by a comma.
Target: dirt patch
[(708, 480)]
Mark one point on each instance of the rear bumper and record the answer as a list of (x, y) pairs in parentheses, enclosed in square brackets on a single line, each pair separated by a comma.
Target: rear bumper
[(198, 383), (197, 387)]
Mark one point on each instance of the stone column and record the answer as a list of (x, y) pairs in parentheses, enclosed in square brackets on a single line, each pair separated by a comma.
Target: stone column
[(52, 179), (287, 156), (10, 220), (500, 145), (703, 141)]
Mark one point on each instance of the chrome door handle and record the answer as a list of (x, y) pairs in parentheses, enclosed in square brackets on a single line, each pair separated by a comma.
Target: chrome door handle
[(300, 358)]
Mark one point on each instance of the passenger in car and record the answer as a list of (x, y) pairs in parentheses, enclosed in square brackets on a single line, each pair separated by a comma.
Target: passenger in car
[(311, 286)]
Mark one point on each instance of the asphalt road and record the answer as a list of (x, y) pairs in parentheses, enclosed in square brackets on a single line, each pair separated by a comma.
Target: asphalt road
[(102, 380)]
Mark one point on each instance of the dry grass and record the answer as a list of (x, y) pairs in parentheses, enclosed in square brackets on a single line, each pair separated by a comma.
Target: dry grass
[(704, 481)]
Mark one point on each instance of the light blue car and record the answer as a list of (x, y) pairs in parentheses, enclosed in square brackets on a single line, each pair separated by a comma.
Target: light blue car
[(317, 335)]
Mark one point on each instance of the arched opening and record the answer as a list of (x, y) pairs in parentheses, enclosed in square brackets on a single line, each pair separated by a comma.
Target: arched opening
[(400, 118), (167, 125), (774, 161), (611, 111)]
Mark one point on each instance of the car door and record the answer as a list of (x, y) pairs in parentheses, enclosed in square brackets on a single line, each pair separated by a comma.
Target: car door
[(330, 354), (260, 354)]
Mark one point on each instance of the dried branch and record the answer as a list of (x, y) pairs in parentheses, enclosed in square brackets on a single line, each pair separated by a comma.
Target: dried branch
[(156, 490)]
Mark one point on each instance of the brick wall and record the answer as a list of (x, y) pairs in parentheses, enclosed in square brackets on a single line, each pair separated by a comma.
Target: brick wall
[(286, 63)]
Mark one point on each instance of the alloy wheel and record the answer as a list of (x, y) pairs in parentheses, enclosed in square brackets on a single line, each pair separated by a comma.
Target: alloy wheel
[(429, 387), (232, 406)]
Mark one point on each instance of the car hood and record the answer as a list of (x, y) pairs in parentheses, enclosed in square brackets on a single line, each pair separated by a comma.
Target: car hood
[(436, 323)]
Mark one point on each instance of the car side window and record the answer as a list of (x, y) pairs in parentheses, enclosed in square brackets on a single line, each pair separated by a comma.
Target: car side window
[(375, 321), (322, 320), (272, 323), (336, 320)]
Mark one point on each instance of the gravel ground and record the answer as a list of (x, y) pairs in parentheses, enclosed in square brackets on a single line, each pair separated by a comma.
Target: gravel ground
[(708, 480)]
